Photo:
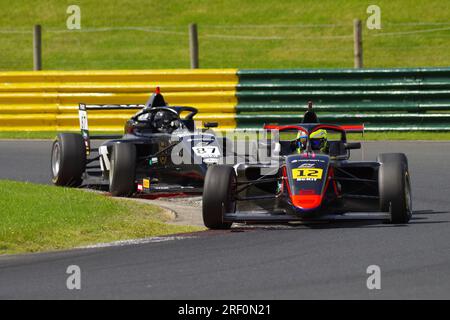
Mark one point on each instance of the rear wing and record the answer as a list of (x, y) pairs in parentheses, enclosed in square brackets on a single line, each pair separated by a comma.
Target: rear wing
[(155, 100), (351, 128), (84, 124), (355, 128)]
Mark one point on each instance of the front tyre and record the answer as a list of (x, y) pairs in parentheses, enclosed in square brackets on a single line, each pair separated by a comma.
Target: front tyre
[(123, 169), (395, 187), (68, 160), (219, 193)]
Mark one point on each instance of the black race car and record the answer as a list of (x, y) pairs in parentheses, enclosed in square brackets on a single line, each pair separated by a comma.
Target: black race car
[(308, 184), (160, 151)]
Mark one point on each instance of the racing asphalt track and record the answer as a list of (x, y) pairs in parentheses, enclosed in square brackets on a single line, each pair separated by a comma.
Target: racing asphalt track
[(322, 262)]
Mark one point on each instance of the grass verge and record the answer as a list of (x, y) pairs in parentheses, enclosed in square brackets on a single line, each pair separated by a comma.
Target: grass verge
[(143, 34), (41, 218)]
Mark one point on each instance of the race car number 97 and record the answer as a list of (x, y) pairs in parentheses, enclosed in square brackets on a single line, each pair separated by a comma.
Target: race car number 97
[(207, 151), (307, 173)]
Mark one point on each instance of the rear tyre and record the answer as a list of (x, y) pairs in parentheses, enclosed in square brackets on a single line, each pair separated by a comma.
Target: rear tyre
[(123, 169), (395, 187), (219, 196), (68, 160)]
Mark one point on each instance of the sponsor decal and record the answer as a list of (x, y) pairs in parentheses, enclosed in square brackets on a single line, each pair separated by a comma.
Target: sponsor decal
[(203, 138), (161, 188), (307, 165), (153, 161), (83, 119), (211, 160), (309, 160)]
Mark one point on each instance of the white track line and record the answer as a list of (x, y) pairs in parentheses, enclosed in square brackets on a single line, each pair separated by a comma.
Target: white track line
[(122, 243)]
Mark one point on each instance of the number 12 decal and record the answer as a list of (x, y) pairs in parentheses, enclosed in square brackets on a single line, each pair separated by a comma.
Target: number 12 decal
[(307, 173)]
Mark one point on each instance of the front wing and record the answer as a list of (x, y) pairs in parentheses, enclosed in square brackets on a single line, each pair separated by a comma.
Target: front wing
[(283, 217)]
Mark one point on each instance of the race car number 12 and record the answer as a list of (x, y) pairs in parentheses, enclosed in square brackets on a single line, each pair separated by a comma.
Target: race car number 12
[(307, 173)]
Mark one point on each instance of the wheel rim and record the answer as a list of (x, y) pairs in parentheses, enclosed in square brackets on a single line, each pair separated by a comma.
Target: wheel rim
[(56, 159)]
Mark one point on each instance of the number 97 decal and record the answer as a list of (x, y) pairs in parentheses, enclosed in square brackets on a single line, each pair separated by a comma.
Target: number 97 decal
[(307, 173), (207, 151)]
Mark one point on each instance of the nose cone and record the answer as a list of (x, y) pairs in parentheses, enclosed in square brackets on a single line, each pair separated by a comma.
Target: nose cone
[(307, 202)]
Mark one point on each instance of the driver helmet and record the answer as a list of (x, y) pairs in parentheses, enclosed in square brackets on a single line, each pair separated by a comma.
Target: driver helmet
[(319, 140), (301, 141), (163, 120)]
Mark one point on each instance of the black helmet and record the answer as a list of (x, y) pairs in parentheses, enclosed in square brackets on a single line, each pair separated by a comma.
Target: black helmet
[(163, 121)]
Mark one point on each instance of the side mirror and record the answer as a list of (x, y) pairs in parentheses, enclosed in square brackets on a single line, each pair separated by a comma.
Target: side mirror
[(352, 145), (210, 124)]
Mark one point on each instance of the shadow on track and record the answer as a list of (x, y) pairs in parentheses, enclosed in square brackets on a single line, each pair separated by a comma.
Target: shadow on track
[(415, 220), (429, 212)]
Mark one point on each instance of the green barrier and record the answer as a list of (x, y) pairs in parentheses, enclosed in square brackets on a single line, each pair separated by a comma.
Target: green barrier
[(413, 118), (345, 107), (409, 74), (274, 97), (407, 127), (343, 85), (401, 98)]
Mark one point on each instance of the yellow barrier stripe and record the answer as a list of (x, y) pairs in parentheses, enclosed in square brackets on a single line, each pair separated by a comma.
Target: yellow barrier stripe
[(122, 75), (121, 117), (27, 120), (96, 121), (46, 99), (32, 108), (71, 128), (57, 108), (90, 73), (104, 98), (147, 87)]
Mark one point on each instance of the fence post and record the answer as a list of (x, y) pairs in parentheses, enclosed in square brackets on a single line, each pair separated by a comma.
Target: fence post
[(357, 48), (193, 45), (37, 48)]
